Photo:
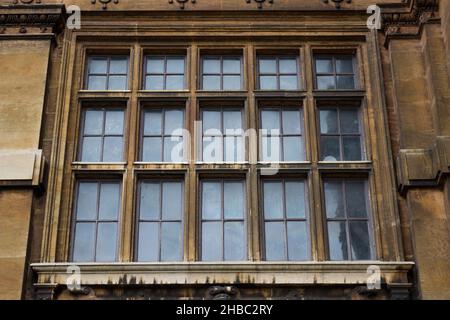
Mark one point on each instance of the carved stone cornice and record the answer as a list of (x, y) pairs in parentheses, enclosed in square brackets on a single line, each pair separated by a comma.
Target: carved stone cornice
[(337, 3), (104, 3), (260, 3), (181, 3)]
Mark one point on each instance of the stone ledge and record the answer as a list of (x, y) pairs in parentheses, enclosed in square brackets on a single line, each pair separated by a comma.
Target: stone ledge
[(21, 168)]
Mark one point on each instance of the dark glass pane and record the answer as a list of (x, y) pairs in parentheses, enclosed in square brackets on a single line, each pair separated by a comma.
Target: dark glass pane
[(211, 120), (91, 149), (288, 82), (293, 149), (211, 201), (148, 247), (155, 65), (211, 83), (93, 123), (297, 241), (267, 65), (117, 83), (344, 65), (291, 122), (231, 82), (345, 82), (234, 241), (113, 149), (174, 120), (326, 83), (152, 123), (152, 149), (352, 148), (175, 65), (271, 148), (109, 201), (172, 203), (288, 65), (234, 200), (270, 119), (175, 83), (171, 236), (234, 149), (295, 199), (334, 200), (154, 83), (275, 241), (273, 200), (232, 120), (212, 149), (87, 201), (232, 65), (173, 149), (97, 83), (268, 82), (337, 240), (84, 242), (98, 65), (118, 66), (211, 241), (355, 192), (211, 65), (349, 120), (324, 65), (328, 121), (360, 243), (114, 122), (106, 242), (329, 148), (149, 201)]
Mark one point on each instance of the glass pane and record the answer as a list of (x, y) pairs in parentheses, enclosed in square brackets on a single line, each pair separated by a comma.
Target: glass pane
[(152, 150), (273, 200), (297, 241), (173, 149), (329, 148), (345, 82), (293, 149), (349, 120), (295, 199), (109, 201), (267, 66), (270, 119), (211, 201), (324, 65), (268, 83), (334, 201), (87, 201), (152, 122), (117, 83), (91, 149), (212, 149), (211, 83), (275, 241), (114, 122), (173, 121), (84, 242), (337, 240), (106, 242), (171, 236), (291, 122), (232, 65), (155, 65), (149, 205), (232, 120), (148, 247), (234, 149), (360, 243), (328, 121), (231, 82), (271, 148), (211, 120), (211, 65), (175, 65), (119, 65), (288, 82), (234, 241), (288, 66), (355, 192), (113, 149), (344, 65), (93, 123), (172, 201), (98, 65), (154, 83), (352, 148), (234, 200), (211, 241), (175, 83), (326, 83), (97, 83)]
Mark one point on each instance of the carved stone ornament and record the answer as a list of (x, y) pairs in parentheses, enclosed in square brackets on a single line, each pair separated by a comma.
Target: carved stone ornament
[(26, 1), (337, 3), (181, 2), (221, 293), (260, 2), (105, 3)]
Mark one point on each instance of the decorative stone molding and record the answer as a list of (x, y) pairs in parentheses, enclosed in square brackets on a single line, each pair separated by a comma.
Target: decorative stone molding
[(400, 291), (45, 291), (27, 1), (260, 2), (23, 168), (222, 293), (105, 3), (181, 2), (337, 3)]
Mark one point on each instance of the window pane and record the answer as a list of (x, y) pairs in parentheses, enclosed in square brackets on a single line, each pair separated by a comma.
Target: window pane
[(171, 236), (232, 120), (359, 235), (173, 149), (231, 82), (114, 122), (211, 201), (172, 201), (291, 122), (273, 200), (234, 149), (212, 149), (97, 83), (295, 199), (267, 66), (117, 83), (270, 119), (109, 201), (326, 83), (175, 83), (106, 242), (337, 240), (324, 65), (297, 240), (93, 123), (345, 82), (328, 121), (91, 149), (149, 205), (152, 149), (288, 66), (356, 199), (98, 65), (234, 200), (155, 65), (235, 244), (113, 149), (84, 242), (211, 65), (268, 82), (275, 241), (352, 148), (173, 121), (152, 123), (349, 120), (148, 247), (87, 201), (211, 120), (154, 83), (329, 147), (232, 65), (293, 149), (211, 83), (211, 241), (119, 65), (288, 82), (271, 148), (344, 65), (334, 201), (175, 65)]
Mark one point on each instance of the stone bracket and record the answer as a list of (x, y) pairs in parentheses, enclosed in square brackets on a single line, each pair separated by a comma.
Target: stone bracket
[(21, 168)]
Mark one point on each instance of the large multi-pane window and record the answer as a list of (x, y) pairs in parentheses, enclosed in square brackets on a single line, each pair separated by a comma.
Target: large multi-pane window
[(221, 73), (335, 72), (107, 73), (347, 213), (164, 72), (278, 73), (96, 221), (160, 221), (223, 217), (102, 138)]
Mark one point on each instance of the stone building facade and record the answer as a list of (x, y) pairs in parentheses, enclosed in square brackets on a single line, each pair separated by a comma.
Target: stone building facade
[(359, 191)]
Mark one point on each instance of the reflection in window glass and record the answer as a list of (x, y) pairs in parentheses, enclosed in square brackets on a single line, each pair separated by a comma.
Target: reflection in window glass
[(221, 73), (335, 72), (165, 73), (278, 73), (107, 73)]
